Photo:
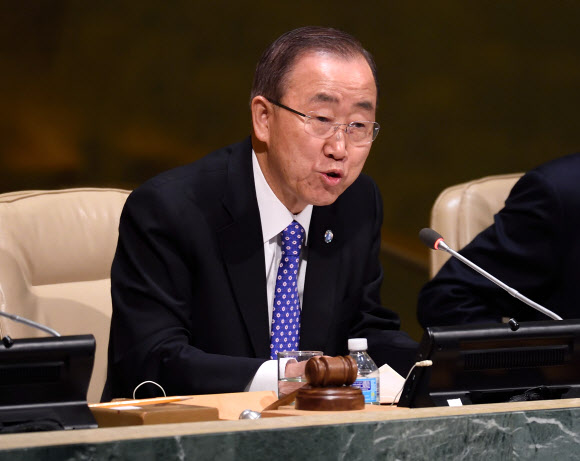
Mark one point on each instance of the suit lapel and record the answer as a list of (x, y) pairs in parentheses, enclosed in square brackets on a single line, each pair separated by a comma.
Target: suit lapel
[(321, 278), (242, 247), (243, 250)]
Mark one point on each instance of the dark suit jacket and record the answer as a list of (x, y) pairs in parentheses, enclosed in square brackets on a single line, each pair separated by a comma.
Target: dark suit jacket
[(189, 286), (533, 246)]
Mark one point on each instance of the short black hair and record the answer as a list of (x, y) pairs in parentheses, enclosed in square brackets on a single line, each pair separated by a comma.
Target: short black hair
[(277, 61)]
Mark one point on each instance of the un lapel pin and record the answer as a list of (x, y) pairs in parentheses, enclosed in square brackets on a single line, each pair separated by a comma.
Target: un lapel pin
[(328, 235)]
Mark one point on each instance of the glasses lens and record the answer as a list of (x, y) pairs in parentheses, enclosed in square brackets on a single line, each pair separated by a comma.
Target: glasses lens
[(319, 127), (363, 132), (358, 132)]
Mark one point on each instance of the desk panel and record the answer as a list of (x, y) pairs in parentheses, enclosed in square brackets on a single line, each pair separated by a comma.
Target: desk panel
[(527, 430)]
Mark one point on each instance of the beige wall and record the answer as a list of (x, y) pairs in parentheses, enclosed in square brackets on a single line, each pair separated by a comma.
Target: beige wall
[(110, 94)]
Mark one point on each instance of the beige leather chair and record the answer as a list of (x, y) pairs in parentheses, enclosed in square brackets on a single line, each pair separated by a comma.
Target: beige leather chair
[(464, 210), (56, 249)]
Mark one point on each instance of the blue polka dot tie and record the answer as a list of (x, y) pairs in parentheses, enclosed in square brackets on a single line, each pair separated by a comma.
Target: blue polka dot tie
[(285, 333)]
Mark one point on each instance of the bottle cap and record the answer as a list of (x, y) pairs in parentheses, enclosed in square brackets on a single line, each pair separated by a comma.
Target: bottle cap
[(357, 344)]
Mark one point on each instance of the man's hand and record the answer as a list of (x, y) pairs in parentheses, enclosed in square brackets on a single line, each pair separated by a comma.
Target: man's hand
[(294, 377)]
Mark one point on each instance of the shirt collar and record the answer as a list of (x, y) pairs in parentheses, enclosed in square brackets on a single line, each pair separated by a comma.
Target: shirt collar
[(275, 217)]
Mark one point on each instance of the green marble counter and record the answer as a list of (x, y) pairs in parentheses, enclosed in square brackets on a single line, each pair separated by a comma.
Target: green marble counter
[(527, 430)]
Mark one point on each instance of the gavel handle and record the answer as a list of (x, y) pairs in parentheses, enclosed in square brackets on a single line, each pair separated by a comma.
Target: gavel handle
[(286, 400)]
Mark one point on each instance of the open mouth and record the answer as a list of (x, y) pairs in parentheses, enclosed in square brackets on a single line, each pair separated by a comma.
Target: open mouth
[(333, 174)]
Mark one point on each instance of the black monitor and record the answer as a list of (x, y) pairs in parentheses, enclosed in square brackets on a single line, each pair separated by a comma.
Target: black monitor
[(490, 363), (44, 383)]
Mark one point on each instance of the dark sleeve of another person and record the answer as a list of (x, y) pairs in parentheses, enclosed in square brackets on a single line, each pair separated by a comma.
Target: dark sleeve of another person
[(522, 248)]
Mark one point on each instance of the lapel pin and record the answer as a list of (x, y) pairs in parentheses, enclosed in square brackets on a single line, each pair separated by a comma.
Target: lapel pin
[(328, 235)]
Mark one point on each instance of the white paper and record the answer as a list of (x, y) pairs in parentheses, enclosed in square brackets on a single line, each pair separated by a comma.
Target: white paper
[(454, 402), (391, 384)]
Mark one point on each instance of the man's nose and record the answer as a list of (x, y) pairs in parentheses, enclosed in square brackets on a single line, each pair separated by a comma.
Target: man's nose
[(336, 144)]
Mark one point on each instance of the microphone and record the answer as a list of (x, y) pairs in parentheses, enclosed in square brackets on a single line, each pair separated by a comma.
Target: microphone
[(434, 241)]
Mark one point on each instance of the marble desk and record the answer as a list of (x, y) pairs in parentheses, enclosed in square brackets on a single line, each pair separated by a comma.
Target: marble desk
[(546, 430)]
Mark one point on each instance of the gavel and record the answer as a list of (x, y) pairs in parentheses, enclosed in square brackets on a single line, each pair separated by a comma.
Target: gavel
[(329, 385), (325, 371), (328, 388)]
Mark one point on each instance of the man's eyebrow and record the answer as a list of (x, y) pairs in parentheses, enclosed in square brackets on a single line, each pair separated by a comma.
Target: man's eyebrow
[(367, 105), (325, 97)]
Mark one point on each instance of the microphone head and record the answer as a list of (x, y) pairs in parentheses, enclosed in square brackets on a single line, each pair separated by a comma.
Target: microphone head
[(430, 238)]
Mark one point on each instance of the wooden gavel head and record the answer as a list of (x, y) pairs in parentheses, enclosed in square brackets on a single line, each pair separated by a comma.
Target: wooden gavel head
[(325, 371)]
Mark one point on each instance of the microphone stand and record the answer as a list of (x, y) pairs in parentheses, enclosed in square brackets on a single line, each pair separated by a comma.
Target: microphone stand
[(6, 339), (516, 294)]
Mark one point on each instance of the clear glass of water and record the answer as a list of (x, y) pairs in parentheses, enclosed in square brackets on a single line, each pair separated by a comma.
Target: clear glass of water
[(291, 370)]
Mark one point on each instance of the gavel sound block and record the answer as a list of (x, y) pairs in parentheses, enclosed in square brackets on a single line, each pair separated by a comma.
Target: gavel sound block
[(328, 389)]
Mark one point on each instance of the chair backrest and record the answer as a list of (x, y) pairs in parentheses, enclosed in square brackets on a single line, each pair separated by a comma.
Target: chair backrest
[(464, 210), (56, 250)]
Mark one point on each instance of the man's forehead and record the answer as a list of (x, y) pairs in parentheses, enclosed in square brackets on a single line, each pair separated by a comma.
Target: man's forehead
[(310, 70)]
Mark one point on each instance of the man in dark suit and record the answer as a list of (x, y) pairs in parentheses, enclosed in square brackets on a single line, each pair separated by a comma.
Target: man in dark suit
[(533, 246), (194, 279)]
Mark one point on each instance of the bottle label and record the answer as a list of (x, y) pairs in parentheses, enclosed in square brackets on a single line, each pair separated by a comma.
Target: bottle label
[(368, 386)]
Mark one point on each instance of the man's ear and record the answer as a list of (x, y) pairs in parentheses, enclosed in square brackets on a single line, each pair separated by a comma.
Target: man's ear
[(261, 113)]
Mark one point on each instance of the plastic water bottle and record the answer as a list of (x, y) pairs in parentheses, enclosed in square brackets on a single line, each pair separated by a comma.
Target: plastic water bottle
[(367, 379)]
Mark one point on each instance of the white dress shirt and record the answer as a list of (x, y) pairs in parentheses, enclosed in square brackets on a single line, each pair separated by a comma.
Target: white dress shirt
[(275, 217)]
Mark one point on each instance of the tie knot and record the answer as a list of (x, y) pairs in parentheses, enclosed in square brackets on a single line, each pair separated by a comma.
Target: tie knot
[(292, 238)]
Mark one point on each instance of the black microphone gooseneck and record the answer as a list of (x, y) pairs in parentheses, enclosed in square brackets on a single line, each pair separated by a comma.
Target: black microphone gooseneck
[(434, 241)]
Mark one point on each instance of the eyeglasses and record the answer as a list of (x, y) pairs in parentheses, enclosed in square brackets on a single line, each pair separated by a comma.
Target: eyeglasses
[(359, 133)]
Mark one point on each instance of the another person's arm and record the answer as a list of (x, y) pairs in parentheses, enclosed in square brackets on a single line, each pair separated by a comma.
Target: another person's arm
[(520, 249)]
